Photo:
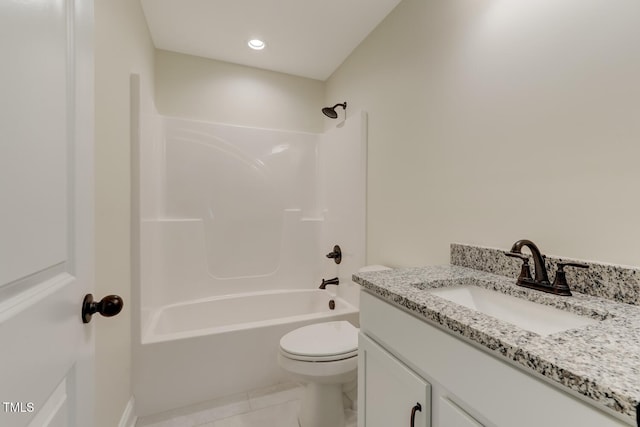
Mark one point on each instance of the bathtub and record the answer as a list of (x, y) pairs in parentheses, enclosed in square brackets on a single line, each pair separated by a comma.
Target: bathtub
[(206, 349)]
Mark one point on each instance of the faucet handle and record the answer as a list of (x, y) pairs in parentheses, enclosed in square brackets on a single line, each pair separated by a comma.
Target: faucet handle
[(562, 264), (525, 271), (560, 281)]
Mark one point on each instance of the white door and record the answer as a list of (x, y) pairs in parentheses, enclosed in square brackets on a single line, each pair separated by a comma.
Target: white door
[(46, 214)]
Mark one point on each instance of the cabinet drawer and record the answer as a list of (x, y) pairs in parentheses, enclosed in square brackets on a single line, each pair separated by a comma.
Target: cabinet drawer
[(389, 392)]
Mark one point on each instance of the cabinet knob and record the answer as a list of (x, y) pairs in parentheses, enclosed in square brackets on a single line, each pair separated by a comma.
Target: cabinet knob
[(417, 407)]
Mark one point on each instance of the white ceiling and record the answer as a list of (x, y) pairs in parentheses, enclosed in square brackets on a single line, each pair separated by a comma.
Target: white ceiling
[(304, 37)]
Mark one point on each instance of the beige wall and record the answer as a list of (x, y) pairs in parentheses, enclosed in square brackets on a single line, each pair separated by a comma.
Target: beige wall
[(122, 46), (494, 120), (203, 89)]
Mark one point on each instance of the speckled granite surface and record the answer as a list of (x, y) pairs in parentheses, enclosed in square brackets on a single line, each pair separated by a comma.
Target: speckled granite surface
[(600, 361), (615, 282)]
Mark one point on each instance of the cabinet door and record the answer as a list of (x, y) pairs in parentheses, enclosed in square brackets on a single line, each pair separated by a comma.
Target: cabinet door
[(451, 415), (389, 393)]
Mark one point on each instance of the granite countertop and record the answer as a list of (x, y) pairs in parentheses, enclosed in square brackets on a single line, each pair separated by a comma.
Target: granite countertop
[(600, 361)]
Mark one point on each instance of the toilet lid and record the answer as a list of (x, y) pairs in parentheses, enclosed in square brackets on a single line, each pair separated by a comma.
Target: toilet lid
[(322, 341)]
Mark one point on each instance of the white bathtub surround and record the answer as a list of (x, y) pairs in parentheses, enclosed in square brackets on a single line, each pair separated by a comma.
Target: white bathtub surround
[(229, 217), (231, 209), (235, 223), (275, 406)]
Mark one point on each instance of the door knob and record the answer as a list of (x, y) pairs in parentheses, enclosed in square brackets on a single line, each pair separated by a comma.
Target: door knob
[(107, 306)]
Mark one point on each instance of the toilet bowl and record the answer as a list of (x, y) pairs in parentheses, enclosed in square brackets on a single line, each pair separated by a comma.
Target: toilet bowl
[(324, 356)]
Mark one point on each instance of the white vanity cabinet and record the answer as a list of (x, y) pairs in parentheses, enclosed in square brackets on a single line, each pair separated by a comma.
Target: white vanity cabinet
[(404, 359), (389, 393)]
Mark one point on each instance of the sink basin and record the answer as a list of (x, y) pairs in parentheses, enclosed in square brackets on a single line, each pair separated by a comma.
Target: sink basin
[(539, 318)]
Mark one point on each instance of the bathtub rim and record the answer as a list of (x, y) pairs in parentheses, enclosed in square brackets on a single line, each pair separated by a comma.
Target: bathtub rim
[(149, 337)]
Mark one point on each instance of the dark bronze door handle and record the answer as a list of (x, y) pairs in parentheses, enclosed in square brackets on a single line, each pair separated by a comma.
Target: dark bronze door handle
[(108, 306), (418, 407)]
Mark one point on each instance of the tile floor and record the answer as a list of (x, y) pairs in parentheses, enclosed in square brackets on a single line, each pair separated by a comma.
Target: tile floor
[(275, 406)]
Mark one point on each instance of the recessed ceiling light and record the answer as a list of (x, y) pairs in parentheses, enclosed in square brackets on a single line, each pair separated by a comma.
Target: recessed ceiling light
[(256, 44)]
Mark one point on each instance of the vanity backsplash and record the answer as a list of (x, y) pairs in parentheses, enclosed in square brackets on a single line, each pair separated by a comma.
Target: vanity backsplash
[(614, 282)]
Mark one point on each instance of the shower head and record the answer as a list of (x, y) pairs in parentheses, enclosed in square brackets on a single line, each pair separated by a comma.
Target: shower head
[(331, 111)]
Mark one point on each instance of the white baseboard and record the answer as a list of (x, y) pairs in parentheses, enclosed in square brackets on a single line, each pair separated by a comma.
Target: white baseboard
[(128, 418)]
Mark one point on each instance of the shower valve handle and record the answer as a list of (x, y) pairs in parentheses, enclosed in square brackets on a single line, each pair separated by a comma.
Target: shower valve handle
[(336, 254)]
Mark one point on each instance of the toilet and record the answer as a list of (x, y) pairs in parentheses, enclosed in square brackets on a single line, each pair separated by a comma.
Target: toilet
[(325, 357)]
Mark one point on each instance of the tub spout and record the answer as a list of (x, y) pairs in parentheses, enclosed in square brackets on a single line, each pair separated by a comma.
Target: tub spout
[(334, 281)]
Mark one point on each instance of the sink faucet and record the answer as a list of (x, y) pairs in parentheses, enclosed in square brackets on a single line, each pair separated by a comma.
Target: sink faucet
[(540, 281), (540, 271), (334, 281)]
